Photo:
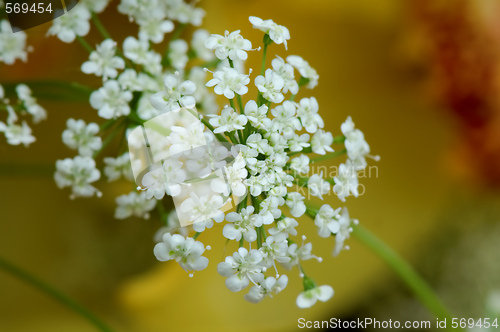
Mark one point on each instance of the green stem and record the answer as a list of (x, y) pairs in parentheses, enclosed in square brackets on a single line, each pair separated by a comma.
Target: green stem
[(404, 270), (53, 90), (105, 34), (231, 102), (263, 232), (259, 238), (263, 66), (109, 138), (54, 293), (240, 104), (162, 212), (100, 27), (175, 35), (232, 137), (195, 236), (85, 44)]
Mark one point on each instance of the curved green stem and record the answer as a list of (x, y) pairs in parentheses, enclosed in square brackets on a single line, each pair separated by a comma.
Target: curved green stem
[(105, 34), (53, 90), (100, 27), (405, 271), (54, 293), (264, 54), (84, 43)]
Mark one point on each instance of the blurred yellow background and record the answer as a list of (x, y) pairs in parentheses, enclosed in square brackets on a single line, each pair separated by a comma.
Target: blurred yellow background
[(369, 64)]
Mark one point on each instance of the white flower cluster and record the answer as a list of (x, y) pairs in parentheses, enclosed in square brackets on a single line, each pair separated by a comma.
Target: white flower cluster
[(254, 154), (12, 45), (16, 133), (132, 76), (272, 135)]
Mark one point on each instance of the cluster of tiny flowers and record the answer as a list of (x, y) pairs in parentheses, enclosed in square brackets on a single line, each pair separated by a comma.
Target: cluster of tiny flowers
[(17, 133), (138, 84), (12, 45), (254, 154), (268, 177)]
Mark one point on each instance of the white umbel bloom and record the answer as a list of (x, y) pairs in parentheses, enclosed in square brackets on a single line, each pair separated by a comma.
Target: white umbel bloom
[(118, 167), (285, 226), (242, 224), (269, 210), (236, 174), (177, 54), (228, 121), (129, 79), (295, 202), (198, 45), (297, 254), (265, 288), (155, 183), (154, 28), (327, 221), (96, 6), (229, 81), (111, 101), (344, 231), (103, 61), (300, 164), (82, 137), (270, 86), (298, 143), (12, 45), (186, 251), (307, 110), (134, 204), (176, 94), (17, 134), (30, 103), (285, 71), (203, 210), (355, 144), (184, 12), (73, 23), (308, 298), (257, 115), (285, 120), (346, 181), (184, 139), (321, 142), (304, 69), (278, 33), (274, 249), (231, 45), (240, 268), (139, 52), (141, 10), (77, 173), (317, 186)]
